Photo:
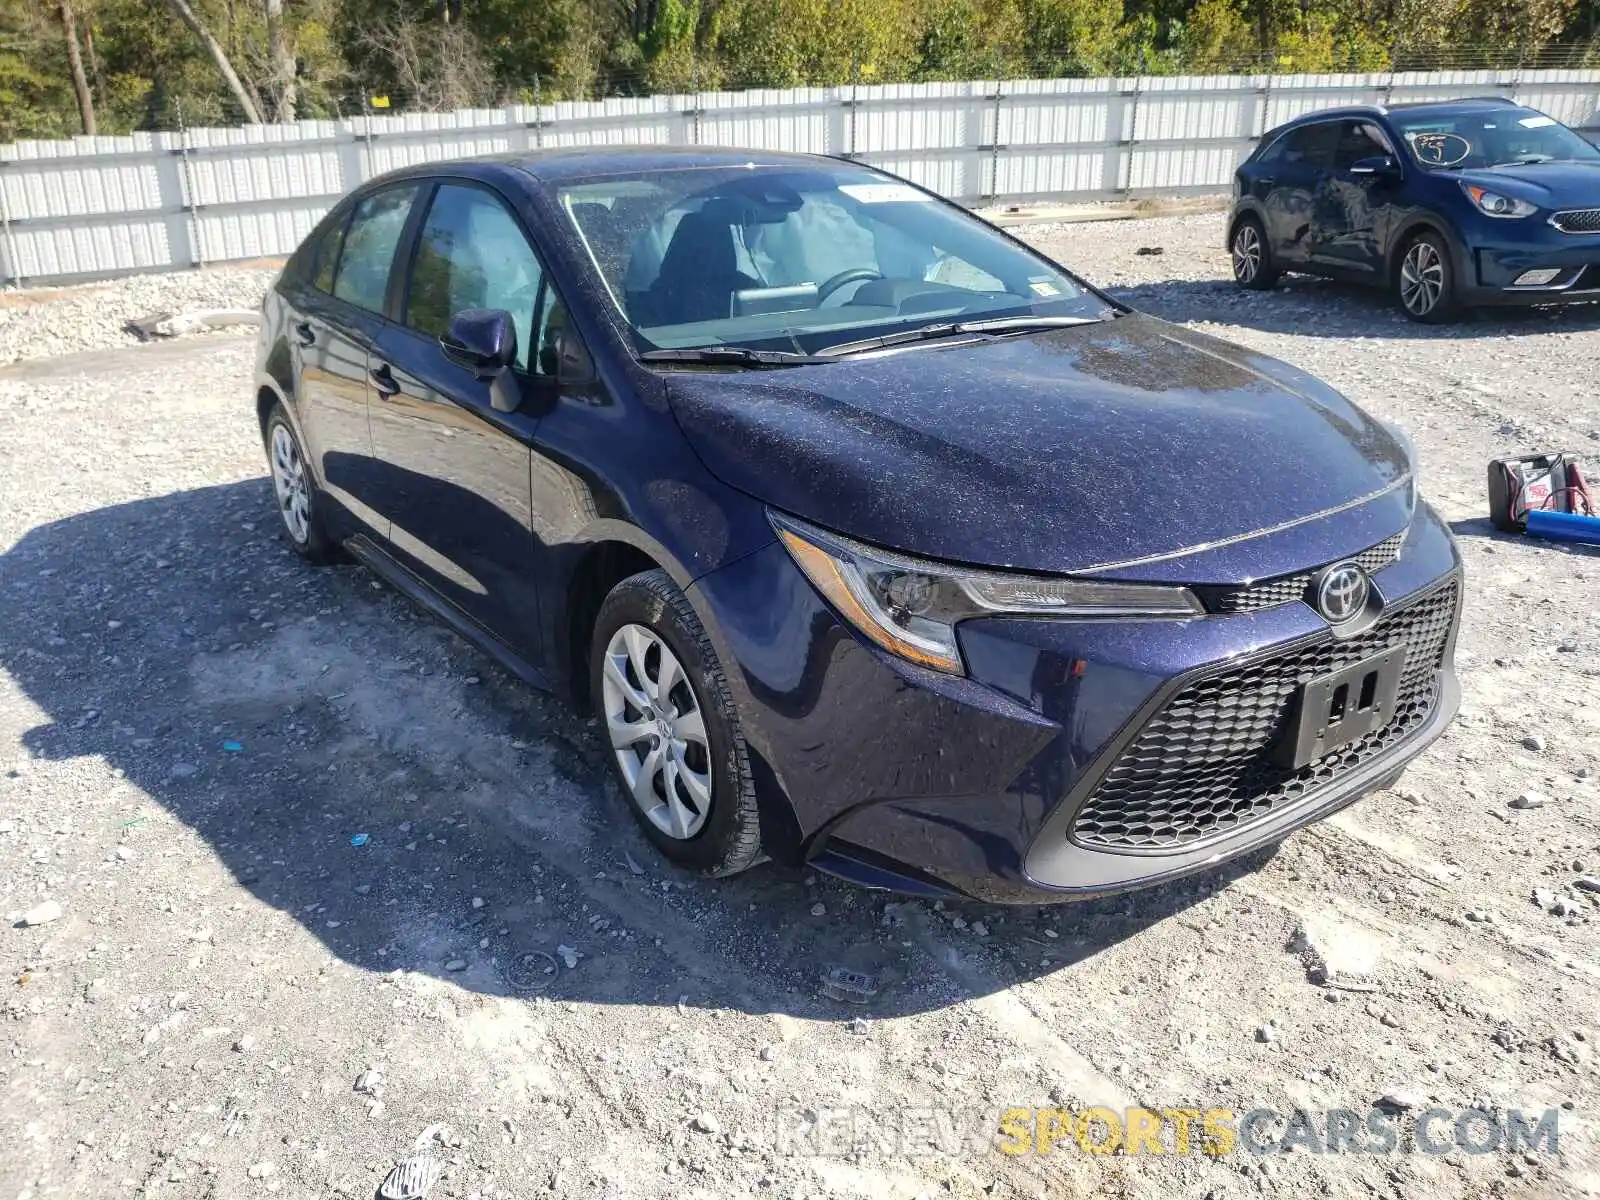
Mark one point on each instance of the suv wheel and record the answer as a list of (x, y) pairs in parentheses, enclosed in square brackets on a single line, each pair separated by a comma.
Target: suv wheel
[(1252, 261), (676, 744), (296, 495), (1425, 282)]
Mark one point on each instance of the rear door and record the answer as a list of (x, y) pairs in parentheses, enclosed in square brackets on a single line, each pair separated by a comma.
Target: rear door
[(1351, 209), (336, 324), (1297, 167), (456, 469)]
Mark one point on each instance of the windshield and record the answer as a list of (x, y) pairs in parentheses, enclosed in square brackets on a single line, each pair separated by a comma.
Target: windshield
[(802, 259), (1492, 138)]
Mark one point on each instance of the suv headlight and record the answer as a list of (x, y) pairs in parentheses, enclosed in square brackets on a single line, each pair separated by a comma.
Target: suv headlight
[(1493, 204), (910, 606)]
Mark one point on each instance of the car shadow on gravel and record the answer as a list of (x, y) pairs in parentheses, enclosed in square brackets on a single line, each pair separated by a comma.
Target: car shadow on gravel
[(1314, 307), (354, 766), (1484, 529)]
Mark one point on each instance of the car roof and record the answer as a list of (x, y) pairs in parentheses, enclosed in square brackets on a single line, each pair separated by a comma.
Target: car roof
[(1424, 108), (566, 164)]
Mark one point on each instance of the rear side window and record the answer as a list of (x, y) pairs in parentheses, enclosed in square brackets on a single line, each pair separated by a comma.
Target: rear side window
[(472, 254), (362, 275), (1310, 145), (325, 255)]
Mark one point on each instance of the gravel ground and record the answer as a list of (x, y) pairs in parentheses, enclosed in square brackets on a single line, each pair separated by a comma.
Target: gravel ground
[(42, 322), (195, 730)]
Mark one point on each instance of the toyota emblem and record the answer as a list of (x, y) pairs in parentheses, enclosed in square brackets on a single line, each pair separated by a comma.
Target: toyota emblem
[(1343, 592)]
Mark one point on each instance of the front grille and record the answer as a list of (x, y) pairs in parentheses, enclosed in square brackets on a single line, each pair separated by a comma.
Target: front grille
[(1204, 765), (1577, 220), (1270, 593)]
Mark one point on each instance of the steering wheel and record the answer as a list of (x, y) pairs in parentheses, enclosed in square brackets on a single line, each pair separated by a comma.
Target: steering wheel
[(853, 275)]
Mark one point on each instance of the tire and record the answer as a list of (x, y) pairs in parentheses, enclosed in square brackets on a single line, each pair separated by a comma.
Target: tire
[(710, 824), (1253, 267), (298, 503), (1425, 280)]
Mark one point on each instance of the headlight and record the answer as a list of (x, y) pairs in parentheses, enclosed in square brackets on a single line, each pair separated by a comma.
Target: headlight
[(1493, 204), (910, 607)]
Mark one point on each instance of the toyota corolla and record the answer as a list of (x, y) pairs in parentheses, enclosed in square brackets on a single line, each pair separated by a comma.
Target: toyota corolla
[(875, 540)]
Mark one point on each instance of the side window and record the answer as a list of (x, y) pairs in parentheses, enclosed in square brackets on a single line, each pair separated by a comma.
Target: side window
[(1358, 140), (1311, 145), (326, 255), (1274, 151), (552, 324), (471, 254), (362, 277)]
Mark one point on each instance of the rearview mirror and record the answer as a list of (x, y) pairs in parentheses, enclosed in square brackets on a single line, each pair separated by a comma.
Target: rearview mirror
[(484, 340), (1378, 164)]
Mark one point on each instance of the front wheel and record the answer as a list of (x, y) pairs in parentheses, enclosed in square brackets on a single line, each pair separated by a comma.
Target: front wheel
[(1252, 260), (672, 729), (1425, 282)]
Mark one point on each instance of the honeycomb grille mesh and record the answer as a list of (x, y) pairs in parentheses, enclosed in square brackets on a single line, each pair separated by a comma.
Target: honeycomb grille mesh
[(1286, 588), (1578, 220), (1204, 767)]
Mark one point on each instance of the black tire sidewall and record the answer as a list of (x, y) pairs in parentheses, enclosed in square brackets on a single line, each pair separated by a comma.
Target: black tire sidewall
[(317, 546), (653, 601), (1445, 308), (1266, 273)]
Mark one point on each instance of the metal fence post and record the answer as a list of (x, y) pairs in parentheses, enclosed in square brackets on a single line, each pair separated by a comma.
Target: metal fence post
[(1129, 142), (854, 106), (992, 192), (191, 206), (13, 263), (538, 113)]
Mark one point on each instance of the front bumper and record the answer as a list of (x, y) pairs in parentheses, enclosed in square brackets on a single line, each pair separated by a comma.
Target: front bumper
[(904, 778), (1494, 264)]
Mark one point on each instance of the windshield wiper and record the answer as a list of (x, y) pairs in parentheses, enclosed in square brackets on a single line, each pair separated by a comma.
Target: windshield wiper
[(737, 356), (956, 329)]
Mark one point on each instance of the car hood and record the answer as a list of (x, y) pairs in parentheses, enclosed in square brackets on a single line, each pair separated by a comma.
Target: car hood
[(1548, 185), (1070, 451)]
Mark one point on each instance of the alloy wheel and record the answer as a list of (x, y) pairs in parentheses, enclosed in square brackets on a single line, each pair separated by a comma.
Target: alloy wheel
[(657, 731), (1246, 253), (289, 481), (1421, 279)]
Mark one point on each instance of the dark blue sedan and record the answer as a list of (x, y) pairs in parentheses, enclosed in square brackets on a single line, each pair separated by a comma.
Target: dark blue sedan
[(873, 539), (1448, 205)]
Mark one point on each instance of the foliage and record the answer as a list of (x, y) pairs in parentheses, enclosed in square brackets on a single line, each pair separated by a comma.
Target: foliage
[(146, 70)]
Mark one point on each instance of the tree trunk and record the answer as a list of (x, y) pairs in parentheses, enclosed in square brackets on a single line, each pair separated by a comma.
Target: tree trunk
[(283, 65), (219, 57), (80, 81)]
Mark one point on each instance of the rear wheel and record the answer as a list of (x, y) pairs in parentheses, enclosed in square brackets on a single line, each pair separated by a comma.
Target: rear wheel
[(1252, 260), (296, 494), (674, 735), (1425, 281)]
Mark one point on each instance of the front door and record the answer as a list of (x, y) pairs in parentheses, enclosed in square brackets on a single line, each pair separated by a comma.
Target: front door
[(456, 487)]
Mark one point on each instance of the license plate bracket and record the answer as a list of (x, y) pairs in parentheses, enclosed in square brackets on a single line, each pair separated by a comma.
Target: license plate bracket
[(1341, 707)]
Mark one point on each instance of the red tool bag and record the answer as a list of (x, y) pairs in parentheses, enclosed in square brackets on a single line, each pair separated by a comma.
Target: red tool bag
[(1552, 482)]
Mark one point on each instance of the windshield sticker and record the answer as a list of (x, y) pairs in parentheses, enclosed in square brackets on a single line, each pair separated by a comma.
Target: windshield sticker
[(1440, 149), (1043, 287), (884, 193), (1538, 122)]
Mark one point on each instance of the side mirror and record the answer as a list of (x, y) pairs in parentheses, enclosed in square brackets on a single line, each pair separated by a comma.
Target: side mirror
[(1378, 164), (484, 340)]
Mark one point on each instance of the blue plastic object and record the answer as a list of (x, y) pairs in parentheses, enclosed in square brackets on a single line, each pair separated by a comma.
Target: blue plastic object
[(1564, 527)]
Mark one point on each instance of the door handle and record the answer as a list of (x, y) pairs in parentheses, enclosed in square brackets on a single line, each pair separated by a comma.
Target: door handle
[(1267, 181), (306, 334), (383, 379)]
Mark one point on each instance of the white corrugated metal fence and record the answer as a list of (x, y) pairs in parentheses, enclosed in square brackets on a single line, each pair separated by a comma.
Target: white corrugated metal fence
[(101, 206)]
